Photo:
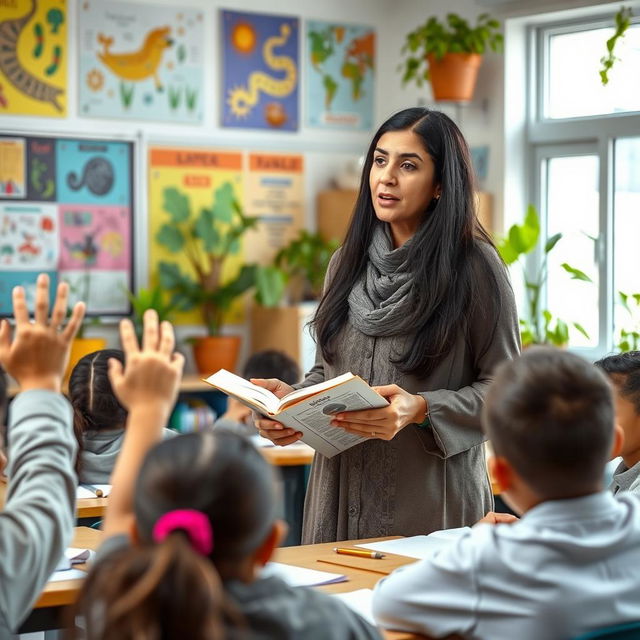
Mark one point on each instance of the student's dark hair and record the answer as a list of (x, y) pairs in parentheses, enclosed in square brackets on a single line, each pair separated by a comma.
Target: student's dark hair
[(95, 406), (272, 363), (167, 590), (445, 253), (624, 370), (550, 413)]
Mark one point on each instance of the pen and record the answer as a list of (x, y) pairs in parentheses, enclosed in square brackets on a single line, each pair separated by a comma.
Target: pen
[(99, 493), (361, 553)]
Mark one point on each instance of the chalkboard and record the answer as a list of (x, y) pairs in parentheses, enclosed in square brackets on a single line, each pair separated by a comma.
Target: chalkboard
[(66, 208)]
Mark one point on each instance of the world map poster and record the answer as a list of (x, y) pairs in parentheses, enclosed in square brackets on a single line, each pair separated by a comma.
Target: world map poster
[(66, 209), (141, 61), (340, 75), (260, 71)]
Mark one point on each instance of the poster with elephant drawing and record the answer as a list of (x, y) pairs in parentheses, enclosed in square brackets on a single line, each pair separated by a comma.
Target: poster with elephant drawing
[(140, 61), (260, 71), (72, 217), (33, 57)]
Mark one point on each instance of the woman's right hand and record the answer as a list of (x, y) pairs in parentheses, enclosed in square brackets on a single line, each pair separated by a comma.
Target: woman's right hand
[(270, 429)]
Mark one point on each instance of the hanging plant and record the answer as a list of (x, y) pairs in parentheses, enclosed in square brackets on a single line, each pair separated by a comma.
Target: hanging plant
[(622, 22)]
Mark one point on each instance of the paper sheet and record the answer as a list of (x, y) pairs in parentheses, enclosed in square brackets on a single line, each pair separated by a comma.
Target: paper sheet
[(69, 574), (359, 601), (419, 547), (83, 491), (301, 577)]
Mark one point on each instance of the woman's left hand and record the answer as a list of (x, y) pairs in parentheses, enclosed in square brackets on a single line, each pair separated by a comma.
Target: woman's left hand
[(404, 408)]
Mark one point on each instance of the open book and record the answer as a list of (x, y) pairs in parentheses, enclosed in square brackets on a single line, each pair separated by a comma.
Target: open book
[(309, 410)]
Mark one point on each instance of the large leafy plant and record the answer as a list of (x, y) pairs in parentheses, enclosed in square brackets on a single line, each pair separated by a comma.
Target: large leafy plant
[(454, 35), (305, 260), (539, 326), (206, 238)]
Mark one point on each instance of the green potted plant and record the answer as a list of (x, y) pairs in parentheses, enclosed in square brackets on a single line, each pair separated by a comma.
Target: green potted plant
[(449, 53), (206, 238), (304, 261), (539, 326)]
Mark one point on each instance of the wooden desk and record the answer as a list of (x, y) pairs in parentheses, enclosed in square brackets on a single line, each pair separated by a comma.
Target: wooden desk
[(363, 573), (292, 456), (85, 507)]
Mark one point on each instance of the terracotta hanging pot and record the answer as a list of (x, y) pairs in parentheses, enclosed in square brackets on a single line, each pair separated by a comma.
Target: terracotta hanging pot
[(453, 77), (216, 352)]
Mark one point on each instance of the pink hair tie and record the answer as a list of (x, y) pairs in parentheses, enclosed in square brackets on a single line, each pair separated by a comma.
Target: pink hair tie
[(194, 523)]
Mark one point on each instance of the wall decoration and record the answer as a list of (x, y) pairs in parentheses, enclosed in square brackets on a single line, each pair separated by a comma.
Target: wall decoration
[(274, 192), (260, 71), (340, 74), (73, 219), (33, 50), (12, 168), (141, 60), (196, 172)]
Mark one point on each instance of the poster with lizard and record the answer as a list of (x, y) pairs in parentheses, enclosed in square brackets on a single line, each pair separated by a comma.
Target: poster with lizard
[(33, 57)]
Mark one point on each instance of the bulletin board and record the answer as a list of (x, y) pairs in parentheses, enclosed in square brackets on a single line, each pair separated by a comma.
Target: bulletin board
[(66, 208)]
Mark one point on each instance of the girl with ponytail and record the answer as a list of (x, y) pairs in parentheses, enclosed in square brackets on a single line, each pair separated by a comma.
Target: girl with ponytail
[(190, 523)]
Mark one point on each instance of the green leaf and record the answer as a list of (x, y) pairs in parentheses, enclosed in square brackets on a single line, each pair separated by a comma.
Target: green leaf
[(205, 229), (223, 203), (171, 237), (176, 204), (270, 284), (576, 274), (552, 242), (581, 329)]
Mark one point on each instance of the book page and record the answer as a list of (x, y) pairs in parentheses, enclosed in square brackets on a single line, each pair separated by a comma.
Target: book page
[(300, 576), (298, 394), (250, 394), (312, 416)]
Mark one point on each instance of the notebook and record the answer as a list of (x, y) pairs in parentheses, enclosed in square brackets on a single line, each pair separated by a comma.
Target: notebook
[(301, 577)]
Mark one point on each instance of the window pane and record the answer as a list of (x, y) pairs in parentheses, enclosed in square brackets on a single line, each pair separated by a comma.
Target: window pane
[(574, 82), (572, 209), (626, 262)]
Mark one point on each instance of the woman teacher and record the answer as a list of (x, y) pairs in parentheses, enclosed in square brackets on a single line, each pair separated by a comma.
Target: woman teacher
[(418, 303)]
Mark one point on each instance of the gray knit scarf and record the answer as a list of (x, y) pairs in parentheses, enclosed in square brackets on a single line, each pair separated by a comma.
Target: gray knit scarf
[(383, 294)]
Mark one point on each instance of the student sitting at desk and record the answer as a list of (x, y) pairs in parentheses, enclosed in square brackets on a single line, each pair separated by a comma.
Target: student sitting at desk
[(203, 515), (570, 564), (623, 370), (98, 417), (37, 521)]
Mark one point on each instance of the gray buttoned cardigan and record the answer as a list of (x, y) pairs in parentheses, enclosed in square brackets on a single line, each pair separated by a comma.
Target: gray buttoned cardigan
[(424, 479)]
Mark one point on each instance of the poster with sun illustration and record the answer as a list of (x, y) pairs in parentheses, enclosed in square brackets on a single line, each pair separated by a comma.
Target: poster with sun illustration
[(141, 61), (260, 71)]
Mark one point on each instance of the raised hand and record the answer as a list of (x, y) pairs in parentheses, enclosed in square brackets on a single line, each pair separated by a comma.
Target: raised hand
[(39, 351), (151, 375)]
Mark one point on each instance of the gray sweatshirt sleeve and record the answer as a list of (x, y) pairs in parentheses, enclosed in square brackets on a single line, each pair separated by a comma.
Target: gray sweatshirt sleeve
[(37, 522)]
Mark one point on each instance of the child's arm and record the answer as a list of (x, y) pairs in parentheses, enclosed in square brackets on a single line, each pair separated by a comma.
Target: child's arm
[(147, 388), (37, 522)]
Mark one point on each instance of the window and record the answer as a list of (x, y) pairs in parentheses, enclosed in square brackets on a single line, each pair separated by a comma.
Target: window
[(584, 152)]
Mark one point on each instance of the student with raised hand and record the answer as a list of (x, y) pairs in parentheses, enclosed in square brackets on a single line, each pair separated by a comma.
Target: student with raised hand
[(184, 546), (623, 370), (570, 564), (98, 418), (36, 524)]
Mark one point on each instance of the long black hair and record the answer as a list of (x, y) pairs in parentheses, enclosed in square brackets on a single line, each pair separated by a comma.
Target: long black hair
[(445, 253)]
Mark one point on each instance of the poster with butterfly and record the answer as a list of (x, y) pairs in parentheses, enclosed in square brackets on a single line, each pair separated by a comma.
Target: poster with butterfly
[(33, 58), (66, 208)]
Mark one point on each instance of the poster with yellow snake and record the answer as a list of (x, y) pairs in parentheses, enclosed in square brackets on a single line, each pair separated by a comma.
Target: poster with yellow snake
[(260, 71), (33, 57)]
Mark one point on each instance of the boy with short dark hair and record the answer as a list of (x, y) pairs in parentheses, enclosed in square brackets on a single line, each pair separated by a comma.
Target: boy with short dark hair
[(623, 370), (570, 564)]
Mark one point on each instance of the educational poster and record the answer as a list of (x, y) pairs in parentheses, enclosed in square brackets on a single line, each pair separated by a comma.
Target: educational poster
[(260, 71), (141, 61), (12, 168), (33, 57), (74, 220), (340, 68), (274, 192), (196, 173)]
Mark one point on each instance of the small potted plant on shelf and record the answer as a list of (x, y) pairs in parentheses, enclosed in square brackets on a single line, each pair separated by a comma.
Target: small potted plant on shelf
[(539, 326), (206, 239), (449, 53)]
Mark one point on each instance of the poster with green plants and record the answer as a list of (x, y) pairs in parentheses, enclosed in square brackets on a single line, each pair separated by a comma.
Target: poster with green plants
[(140, 61)]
